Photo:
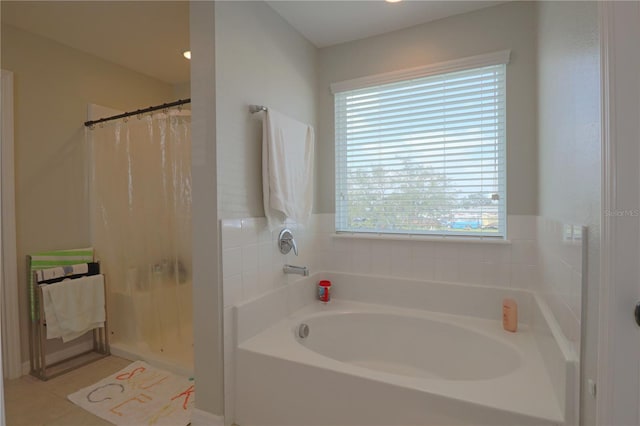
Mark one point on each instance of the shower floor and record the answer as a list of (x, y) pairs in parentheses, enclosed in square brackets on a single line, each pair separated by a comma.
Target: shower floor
[(177, 358)]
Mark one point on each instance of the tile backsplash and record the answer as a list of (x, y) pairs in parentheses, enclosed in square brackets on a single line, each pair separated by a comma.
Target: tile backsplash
[(562, 260), (252, 263), (541, 255)]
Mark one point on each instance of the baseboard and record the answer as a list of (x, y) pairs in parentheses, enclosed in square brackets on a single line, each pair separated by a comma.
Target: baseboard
[(60, 355), (204, 418)]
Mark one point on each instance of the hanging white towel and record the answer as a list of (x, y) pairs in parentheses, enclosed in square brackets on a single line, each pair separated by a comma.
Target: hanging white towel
[(61, 271), (287, 169), (73, 307)]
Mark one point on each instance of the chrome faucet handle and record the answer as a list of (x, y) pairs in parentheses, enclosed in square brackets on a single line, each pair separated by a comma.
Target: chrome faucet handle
[(286, 242)]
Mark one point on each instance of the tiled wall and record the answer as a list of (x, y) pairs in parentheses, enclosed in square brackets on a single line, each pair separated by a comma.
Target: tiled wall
[(495, 264), (561, 250), (252, 264), (542, 255), (251, 267)]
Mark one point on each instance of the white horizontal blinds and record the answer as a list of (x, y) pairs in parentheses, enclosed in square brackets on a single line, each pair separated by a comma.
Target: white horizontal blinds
[(423, 156)]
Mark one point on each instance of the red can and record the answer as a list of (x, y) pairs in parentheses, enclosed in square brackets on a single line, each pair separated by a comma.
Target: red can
[(324, 291)]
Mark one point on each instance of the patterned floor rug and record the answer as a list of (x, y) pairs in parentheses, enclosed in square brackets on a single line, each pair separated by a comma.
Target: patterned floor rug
[(139, 395)]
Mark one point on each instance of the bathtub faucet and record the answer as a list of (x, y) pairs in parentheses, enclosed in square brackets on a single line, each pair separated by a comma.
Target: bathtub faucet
[(300, 270)]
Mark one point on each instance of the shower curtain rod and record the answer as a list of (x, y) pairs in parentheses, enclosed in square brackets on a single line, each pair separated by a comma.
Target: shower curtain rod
[(139, 111)]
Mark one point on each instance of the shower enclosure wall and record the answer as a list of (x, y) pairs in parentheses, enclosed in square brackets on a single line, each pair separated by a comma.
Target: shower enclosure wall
[(141, 231)]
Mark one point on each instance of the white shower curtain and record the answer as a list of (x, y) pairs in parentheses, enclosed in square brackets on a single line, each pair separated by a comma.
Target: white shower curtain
[(141, 229)]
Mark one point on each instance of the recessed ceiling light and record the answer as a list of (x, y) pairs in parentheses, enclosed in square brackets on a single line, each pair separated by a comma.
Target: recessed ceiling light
[(187, 54), (393, 1)]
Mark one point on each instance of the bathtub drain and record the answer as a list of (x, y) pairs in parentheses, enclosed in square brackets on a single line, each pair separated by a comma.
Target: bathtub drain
[(303, 331)]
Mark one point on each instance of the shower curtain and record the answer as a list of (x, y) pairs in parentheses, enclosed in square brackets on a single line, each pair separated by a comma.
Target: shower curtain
[(141, 230)]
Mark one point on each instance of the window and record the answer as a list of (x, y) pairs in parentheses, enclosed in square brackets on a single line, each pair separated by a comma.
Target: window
[(423, 154)]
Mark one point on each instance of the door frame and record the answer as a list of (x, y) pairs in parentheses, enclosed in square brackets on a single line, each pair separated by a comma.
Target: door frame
[(618, 335), (11, 354)]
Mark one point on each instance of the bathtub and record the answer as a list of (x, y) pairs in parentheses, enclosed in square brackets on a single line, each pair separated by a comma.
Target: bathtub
[(392, 364)]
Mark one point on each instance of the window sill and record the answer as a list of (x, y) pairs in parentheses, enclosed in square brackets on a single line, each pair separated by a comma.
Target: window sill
[(426, 238)]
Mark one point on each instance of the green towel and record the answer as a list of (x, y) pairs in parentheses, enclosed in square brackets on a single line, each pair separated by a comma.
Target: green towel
[(53, 259)]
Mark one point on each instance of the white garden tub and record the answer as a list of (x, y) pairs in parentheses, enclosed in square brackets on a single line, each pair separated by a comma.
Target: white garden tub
[(370, 364)]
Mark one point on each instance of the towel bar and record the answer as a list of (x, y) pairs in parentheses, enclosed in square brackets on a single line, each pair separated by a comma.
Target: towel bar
[(38, 342), (257, 108)]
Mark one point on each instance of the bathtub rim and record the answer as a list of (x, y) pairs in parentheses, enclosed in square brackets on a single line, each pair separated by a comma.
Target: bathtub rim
[(448, 321), (288, 349)]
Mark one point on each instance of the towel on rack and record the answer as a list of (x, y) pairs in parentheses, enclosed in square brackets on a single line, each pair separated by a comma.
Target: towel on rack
[(49, 259), (287, 169), (60, 273), (73, 307)]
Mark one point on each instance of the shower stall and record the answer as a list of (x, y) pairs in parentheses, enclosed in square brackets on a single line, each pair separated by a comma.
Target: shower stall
[(141, 231)]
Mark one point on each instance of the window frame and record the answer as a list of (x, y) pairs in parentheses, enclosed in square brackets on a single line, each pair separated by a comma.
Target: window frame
[(479, 61)]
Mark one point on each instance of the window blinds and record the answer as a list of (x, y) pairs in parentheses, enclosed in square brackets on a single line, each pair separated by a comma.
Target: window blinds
[(424, 155)]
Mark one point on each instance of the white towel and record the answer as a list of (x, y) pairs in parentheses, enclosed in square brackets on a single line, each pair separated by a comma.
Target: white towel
[(73, 307), (287, 169), (61, 271)]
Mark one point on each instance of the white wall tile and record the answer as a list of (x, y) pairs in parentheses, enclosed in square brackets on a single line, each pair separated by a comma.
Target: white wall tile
[(446, 251), (264, 234), (498, 253), (250, 284), (231, 261), (525, 276), (232, 290), (524, 252), (265, 254), (496, 274), (422, 267), (471, 253), (423, 250), (231, 233), (381, 258), (534, 256), (341, 260), (361, 257), (446, 270), (401, 260), (249, 232), (470, 272), (250, 257)]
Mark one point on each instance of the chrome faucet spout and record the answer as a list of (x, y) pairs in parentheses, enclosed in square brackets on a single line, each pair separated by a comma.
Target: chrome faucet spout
[(300, 270)]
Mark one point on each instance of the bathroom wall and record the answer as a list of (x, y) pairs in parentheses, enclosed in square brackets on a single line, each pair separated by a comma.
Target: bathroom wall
[(507, 26), (541, 255), (260, 59), (569, 146), (207, 288), (53, 85)]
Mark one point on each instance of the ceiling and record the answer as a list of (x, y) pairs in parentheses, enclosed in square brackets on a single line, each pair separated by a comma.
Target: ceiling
[(326, 23), (149, 36), (145, 36)]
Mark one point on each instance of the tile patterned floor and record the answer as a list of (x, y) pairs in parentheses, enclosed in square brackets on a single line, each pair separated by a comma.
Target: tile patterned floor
[(31, 402)]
